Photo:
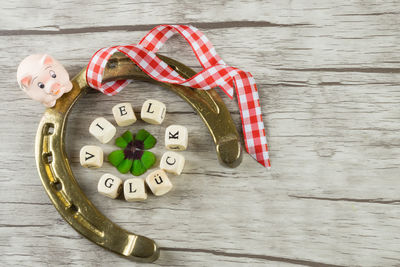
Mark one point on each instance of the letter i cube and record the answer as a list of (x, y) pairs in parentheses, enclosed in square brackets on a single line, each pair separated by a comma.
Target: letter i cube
[(102, 129)]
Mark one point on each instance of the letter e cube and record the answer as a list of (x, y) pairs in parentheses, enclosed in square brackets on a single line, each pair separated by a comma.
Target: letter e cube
[(123, 114)]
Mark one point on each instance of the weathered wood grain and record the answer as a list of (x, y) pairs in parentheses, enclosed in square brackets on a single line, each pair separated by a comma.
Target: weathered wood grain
[(329, 80)]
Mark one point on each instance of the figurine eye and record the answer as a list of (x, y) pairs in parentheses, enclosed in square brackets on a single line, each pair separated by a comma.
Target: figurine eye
[(41, 85), (52, 74)]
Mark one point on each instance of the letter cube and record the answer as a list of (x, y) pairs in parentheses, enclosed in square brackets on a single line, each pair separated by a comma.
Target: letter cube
[(159, 182), (134, 190), (123, 114), (172, 162), (176, 137), (102, 129), (109, 185), (153, 111), (91, 156)]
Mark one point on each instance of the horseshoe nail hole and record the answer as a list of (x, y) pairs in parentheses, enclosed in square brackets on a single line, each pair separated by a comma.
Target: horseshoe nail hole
[(48, 157), (112, 64), (48, 128), (73, 208), (57, 186)]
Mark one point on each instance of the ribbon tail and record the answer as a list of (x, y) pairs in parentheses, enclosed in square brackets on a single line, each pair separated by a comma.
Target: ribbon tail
[(252, 122)]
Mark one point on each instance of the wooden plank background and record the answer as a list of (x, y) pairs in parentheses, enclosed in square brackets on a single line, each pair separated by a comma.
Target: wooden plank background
[(329, 80)]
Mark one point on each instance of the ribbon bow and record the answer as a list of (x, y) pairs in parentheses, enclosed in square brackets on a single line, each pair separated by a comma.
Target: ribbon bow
[(215, 73)]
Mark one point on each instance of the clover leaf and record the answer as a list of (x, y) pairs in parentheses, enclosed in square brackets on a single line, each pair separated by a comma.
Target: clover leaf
[(133, 157)]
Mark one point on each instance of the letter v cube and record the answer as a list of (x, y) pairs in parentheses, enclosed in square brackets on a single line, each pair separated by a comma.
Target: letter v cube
[(91, 156)]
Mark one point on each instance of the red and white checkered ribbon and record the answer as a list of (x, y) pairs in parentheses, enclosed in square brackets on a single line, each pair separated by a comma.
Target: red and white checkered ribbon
[(215, 73)]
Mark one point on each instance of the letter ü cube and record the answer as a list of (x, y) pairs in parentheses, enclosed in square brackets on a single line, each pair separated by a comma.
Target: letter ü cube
[(123, 114), (102, 129), (176, 137), (109, 185), (91, 156), (153, 111), (159, 182)]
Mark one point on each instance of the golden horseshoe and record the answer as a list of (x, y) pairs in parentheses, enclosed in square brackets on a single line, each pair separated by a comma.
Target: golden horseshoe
[(61, 185)]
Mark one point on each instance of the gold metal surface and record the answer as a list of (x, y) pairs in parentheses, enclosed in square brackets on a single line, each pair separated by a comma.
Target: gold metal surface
[(61, 185)]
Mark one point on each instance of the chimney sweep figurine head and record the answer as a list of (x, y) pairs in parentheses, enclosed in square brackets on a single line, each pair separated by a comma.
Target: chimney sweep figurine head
[(43, 79)]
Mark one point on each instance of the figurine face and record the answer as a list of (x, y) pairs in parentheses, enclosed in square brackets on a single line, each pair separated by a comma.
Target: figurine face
[(43, 79)]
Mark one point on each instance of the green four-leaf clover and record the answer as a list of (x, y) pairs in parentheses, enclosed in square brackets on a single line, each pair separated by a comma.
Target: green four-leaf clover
[(133, 157)]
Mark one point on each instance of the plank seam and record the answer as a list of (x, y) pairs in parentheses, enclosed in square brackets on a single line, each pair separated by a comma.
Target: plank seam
[(146, 27), (360, 200), (251, 256)]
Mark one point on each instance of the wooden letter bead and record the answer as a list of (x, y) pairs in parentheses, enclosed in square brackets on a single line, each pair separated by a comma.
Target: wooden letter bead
[(153, 111), (176, 137), (172, 162), (134, 190), (158, 182), (102, 129), (109, 185), (91, 156), (123, 114)]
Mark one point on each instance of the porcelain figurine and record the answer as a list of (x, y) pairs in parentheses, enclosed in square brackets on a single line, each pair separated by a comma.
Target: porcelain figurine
[(43, 79)]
